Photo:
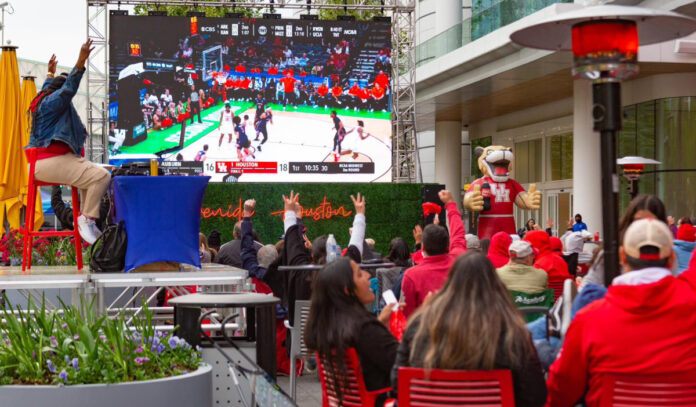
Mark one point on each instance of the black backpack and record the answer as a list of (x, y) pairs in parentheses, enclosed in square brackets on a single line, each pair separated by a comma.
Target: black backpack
[(108, 253)]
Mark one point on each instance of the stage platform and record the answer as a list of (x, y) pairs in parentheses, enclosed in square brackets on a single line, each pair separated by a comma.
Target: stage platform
[(112, 291)]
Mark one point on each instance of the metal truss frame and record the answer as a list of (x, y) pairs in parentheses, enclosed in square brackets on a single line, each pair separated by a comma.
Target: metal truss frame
[(405, 163)]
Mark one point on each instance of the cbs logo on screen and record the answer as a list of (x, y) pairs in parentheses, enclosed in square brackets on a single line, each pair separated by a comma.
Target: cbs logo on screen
[(263, 30)]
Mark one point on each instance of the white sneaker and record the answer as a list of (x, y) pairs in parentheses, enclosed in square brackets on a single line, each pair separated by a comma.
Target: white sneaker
[(88, 229)]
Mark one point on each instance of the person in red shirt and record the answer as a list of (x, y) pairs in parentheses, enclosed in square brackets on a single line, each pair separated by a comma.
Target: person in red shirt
[(378, 97), (498, 252), (644, 326), (547, 260), (382, 80), (337, 93), (245, 85), (364, 96), (288, 90), (240, 68), (288, 71), (439, 252), (273, 70), (322, 91), (354, 92)]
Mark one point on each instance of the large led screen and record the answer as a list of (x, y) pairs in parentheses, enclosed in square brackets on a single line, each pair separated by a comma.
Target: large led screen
[(252, 100)]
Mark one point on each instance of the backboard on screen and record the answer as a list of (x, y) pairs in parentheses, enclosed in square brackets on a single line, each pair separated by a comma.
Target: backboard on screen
[(263, 100)]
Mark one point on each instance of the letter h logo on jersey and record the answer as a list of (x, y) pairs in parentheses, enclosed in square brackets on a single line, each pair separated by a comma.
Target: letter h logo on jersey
[(501, 193)]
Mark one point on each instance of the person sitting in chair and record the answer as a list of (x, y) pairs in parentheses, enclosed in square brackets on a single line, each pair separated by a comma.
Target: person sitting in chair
[(59, 135)]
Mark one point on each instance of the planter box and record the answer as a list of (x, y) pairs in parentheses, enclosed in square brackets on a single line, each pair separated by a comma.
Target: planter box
[(191, 389)]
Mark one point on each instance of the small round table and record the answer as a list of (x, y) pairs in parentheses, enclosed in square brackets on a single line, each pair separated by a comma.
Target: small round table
[(261, 323)]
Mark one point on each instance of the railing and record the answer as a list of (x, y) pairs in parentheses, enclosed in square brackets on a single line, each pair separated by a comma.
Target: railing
[(484, 20)]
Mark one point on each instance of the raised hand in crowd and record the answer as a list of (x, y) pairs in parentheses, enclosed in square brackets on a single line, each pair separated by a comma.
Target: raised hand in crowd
[(359, 203), (52, 64), (290, 201), (85, 50), (445, 196), (249, 206), (418, 234)]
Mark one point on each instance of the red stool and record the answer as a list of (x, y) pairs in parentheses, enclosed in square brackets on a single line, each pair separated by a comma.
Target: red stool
[(29, 233)]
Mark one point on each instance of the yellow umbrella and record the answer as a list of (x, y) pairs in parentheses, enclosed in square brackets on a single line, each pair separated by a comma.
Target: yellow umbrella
[(14, 206), (10, 127)]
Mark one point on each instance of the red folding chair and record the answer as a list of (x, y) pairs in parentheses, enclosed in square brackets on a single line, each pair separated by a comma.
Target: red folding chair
[(418, 387), (648, 391), (355, 394), (29, 233), (557, 287)]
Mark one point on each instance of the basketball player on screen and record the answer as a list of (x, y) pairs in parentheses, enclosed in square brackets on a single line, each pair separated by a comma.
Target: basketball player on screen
[(338, 137), (260, 102), (261, 126), (243, 142), (226, 124), (351, 144)]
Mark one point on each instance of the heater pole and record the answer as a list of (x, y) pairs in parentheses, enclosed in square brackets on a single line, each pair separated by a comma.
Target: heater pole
[(606, 112)]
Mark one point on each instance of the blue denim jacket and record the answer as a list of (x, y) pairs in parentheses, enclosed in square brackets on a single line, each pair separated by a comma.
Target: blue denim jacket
[(57, 119)]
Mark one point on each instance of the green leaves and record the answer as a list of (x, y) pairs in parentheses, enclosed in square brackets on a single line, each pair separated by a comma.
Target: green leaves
[(37, 344)]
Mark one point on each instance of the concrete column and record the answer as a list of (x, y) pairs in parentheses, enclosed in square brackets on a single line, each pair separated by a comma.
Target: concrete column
[(448, 155), (587, 176), (466, 156), (447, 14)]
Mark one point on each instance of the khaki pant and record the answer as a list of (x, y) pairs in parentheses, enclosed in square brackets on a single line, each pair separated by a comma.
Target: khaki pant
[(69, 169)]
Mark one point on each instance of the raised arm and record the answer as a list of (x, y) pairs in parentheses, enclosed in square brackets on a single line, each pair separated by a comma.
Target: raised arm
[(59, 99), (454, 218), (359, 224), (295, 252), (52, 64), (249, 259)]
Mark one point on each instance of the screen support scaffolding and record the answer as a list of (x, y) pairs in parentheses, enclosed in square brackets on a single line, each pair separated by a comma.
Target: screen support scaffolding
[(405, 163)]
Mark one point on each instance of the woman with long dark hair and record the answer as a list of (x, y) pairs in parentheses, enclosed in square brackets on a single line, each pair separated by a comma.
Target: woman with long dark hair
[(338, 320), (472, 324)]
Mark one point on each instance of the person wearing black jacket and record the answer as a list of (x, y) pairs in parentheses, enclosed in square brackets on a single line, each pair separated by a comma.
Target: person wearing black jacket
[(64, 213), (296, 250), (472, 324), (338, 321)]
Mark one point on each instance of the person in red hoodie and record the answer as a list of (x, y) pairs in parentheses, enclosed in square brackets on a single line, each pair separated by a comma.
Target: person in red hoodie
[(439, 252), (498, 252), (547, 260), (644, 326)]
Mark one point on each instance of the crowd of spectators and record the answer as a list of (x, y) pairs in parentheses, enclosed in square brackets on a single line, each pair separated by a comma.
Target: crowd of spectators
[(461, 311)]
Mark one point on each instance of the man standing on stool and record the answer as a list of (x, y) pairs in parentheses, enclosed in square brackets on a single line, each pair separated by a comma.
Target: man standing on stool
[(59, 135)]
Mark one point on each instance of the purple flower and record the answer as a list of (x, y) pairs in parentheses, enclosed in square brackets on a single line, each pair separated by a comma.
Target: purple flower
[(76, 337), (102, 337), (173, 342), (33, 354), (54, 341), (140, 361), (63, 375), (76, 364), (51, 366), (158, 349), (67, 359), (64, 326), (139, 349)]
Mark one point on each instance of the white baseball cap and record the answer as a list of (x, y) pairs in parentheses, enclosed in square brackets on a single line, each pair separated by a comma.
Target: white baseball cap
[(648, 232), (520, 249)]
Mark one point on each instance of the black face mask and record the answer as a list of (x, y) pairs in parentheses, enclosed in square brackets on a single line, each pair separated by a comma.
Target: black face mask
[(578, 220)]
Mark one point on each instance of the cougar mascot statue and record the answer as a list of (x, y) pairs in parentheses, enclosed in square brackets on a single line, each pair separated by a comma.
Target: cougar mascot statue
[(493, 194)]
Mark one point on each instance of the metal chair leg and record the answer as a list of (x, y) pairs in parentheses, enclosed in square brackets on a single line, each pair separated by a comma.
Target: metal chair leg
[(293, 379)]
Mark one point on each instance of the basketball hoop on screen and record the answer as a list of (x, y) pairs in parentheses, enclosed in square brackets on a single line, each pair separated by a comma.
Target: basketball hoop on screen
[(219, 77)]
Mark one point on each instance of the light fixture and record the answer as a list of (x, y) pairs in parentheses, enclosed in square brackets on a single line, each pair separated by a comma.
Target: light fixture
[(605, 40), (633, 168)]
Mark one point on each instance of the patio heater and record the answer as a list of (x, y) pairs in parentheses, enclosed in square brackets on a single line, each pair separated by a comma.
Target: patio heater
[(633, 167), (604, 40)]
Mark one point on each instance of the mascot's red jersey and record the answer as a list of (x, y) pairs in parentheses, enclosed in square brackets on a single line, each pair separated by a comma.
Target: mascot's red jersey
[(500, 218)]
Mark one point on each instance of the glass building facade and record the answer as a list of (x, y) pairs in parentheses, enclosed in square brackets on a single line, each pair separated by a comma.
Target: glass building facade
[(665, 130)]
